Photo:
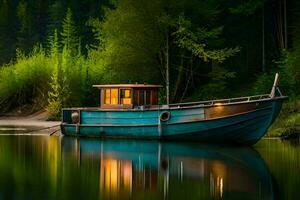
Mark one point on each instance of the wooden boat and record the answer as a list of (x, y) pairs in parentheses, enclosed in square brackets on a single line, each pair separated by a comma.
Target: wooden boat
[(131, 111)]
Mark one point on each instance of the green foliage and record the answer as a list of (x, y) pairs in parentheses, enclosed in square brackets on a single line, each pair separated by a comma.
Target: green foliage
[(196, 42), (55, 95), (69, 33), (132, 40), (54, 79), (294, 52), (59, 91), (54, 45), (291, 125), (248, 7), (139, 38), (218, 85), (288, 77), (288, 123), (56, 14), (96, 26), (26, 80), (7, 32), (26, 34)]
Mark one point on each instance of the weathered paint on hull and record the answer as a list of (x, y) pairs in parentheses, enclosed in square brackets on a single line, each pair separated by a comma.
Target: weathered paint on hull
[(184, 124)]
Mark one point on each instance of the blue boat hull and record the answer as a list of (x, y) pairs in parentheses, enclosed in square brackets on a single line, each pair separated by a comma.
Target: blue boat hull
[(242, 123)]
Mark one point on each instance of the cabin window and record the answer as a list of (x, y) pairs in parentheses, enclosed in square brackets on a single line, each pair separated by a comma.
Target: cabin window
[(144, 97), (112, 96), (125, 96), (107, 96), (141, 97), (148, 97)]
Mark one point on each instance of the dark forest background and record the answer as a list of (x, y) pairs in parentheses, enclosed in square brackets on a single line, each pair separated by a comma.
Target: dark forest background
[(53, 51)]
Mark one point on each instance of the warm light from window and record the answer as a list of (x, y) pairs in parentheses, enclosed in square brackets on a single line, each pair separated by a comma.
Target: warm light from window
[(218, 104), (125, 96), (115, 177), (107, 96), (114, 93)]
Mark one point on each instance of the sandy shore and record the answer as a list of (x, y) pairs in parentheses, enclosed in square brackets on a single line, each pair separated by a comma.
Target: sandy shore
[(32, 124), (27, 123)]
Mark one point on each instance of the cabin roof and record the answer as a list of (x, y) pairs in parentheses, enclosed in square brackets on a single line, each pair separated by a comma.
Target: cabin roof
[(135, 85)]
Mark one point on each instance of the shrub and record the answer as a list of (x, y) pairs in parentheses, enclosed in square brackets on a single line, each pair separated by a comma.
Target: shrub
[(25, 81)]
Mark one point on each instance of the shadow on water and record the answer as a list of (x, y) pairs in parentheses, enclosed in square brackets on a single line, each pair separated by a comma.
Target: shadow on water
[(44, 167)]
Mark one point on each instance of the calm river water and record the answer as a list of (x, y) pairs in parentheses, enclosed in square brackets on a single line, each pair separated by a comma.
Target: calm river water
[(43, 167)]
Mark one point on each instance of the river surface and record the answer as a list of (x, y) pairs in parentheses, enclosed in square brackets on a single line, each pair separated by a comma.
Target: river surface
[(44, 167)]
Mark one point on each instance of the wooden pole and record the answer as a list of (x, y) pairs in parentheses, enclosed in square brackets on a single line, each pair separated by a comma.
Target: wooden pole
[(275, 84)]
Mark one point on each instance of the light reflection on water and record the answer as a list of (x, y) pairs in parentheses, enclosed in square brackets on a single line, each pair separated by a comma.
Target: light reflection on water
[(43, 167)]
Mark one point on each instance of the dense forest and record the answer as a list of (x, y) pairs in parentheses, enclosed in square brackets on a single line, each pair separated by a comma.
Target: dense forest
[(53, 51)]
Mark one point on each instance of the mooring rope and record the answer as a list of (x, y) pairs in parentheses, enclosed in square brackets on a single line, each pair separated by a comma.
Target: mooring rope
[(54, 132)]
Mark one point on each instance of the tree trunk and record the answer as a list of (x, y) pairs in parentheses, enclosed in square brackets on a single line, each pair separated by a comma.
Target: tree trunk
[(167, 69), (285, 25), (190, 75), (263, 40), (280, 30), (179, 78)]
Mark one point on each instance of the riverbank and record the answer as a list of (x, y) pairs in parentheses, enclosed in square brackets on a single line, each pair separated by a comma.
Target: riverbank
[(287, 125), (32, 124)]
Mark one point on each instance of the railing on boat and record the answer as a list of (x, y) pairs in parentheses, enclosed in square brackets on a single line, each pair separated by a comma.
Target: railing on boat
[(191, 104), (201, 103), (223, 101)]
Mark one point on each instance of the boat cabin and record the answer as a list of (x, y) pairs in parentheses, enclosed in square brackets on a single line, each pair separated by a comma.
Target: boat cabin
[(128, 96)]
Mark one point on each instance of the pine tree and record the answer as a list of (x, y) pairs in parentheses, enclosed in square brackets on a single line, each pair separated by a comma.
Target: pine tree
[(53, 44), (56, 14), (69, 33), (26, 36), (7, 31)]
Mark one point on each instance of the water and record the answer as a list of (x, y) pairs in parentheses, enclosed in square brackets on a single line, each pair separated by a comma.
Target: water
[(43, 167)]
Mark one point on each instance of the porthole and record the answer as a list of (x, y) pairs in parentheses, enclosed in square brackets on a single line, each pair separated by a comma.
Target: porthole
[(165, 116)]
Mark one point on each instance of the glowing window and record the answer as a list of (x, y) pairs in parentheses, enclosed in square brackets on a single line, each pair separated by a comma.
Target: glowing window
[(114, 96), (111, 96), (107, 96), (125, 96)]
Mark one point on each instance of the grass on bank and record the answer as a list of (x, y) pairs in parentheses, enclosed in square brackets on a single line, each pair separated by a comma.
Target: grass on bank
[(287, 125)]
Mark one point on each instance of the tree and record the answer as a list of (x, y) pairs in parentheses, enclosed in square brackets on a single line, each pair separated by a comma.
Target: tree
[(69, 34), (196, 43), (56, 14), (26, 35), (7, 31), (54, 46), (59, 91), (145, 38)]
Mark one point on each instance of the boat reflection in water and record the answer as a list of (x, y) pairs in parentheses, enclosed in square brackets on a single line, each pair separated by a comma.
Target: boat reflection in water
[(151, 169)]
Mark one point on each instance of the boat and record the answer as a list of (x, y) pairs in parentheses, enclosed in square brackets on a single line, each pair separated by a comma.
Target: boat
[(132, 111)]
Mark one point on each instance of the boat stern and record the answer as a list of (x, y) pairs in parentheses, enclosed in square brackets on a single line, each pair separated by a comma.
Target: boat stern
[(70, 121)]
